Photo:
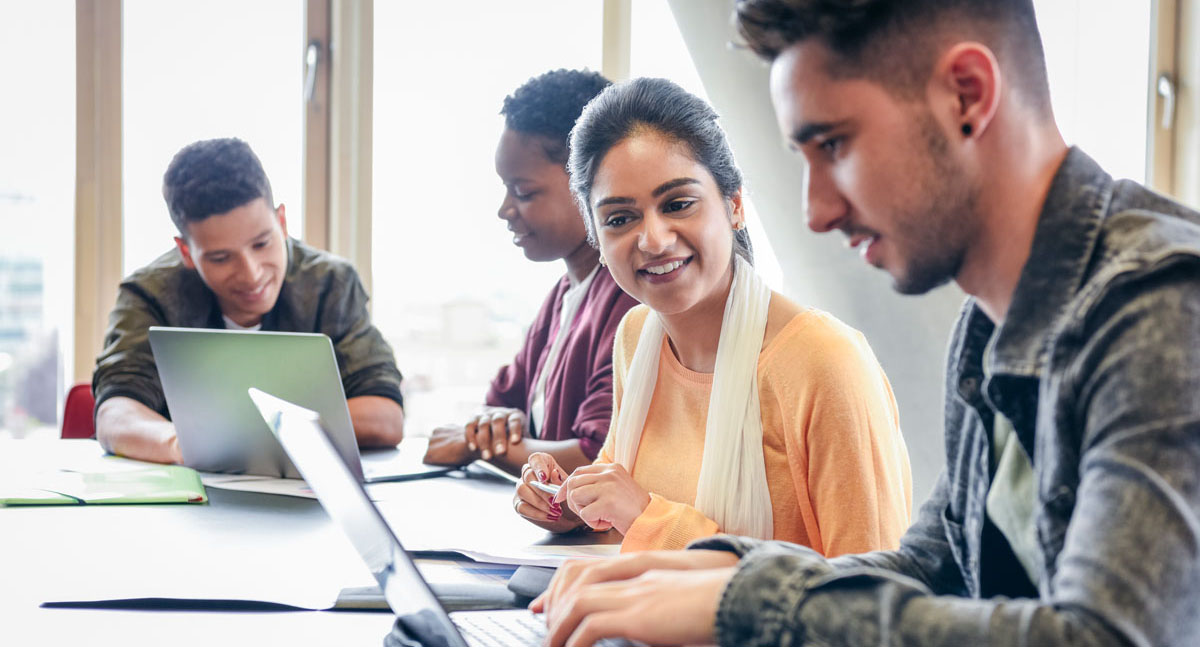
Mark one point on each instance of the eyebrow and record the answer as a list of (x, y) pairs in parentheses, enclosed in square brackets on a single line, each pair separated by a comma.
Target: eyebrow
[(263, 234), (658, 190), (807, 132)]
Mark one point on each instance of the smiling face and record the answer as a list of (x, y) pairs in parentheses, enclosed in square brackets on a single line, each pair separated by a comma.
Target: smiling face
[(538, 206), (242, 257), (662, 224), (881, 170)]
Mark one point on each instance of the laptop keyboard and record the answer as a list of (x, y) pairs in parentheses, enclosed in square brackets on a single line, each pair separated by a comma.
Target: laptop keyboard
[(500, 630), (508, 630)]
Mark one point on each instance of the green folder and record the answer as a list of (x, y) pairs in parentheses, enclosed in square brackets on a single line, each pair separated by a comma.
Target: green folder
[(144, 483)]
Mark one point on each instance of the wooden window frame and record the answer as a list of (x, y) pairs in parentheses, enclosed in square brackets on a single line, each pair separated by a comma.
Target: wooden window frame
[(338, 145)]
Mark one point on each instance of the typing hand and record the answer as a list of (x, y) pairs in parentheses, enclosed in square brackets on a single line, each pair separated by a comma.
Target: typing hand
[(657, 608), (447, 446), (574, 574), (537, 505), (604, 496), (490, 433)]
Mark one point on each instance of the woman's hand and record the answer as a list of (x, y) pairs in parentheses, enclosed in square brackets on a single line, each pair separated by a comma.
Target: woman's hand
[(604, 496), (491, 432), (536, 505), (447, 446)]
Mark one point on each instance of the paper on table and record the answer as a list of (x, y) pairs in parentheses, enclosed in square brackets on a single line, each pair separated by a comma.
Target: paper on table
[(261, 484), (539, 555)]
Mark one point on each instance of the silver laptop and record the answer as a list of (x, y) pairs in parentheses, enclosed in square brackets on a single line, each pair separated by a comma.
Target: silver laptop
[(300, 432), (205, 374)]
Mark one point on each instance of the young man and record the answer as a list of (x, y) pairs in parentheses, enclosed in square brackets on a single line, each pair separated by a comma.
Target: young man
[(236, 268), (1069, 510)]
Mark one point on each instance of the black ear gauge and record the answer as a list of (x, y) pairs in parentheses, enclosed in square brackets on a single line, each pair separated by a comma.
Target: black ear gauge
[(967, 130)]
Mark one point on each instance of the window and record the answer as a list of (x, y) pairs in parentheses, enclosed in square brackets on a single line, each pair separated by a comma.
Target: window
[(451, 292), (198, 70), (37, 213), (1098, 60)]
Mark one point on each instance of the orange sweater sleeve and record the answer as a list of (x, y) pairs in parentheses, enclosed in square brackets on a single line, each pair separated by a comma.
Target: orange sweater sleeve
[(667, 525), (848, 460)]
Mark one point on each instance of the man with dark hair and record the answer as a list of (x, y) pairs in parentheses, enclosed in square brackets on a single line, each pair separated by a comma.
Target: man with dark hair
[(234, 267), (1069, 509)]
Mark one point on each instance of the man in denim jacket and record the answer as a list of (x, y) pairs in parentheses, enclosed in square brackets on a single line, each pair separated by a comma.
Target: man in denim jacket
[(1069, 511)]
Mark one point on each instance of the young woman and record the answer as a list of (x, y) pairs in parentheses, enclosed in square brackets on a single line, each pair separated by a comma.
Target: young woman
[(558, 389), (736, 410)]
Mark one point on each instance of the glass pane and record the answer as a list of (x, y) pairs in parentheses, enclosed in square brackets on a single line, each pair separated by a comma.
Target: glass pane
[(1098, 60), (451, 292), (37, 213), (657, 49), (197, 70)]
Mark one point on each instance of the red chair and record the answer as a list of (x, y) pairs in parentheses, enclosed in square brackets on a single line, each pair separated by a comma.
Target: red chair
[(77, 412)]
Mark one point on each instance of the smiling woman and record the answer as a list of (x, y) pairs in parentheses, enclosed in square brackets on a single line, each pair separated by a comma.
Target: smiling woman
[(736, 410)]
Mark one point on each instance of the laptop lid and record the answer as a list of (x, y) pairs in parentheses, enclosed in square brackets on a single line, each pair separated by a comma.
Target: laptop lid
[(342, 495), (205, 374)]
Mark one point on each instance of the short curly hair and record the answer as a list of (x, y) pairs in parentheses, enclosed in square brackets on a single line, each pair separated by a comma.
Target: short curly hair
[(894, 42), (211, 177), (548, 105)]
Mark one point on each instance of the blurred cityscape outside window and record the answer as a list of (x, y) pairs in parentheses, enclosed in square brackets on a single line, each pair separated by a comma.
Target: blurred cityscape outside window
[(37, 213)]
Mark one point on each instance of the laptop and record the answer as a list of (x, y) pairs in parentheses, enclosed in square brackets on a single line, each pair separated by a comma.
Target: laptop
[(205, 374), (408, 594)]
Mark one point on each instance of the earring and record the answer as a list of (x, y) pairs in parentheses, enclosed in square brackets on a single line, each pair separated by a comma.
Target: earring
[(739, 225), (967, 130), (603, 263)]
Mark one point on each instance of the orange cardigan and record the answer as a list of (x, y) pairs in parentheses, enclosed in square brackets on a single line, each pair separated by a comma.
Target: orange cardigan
[(837, 468)]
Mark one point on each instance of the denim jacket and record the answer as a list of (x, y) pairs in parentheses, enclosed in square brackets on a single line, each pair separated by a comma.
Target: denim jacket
[(1097, 364)]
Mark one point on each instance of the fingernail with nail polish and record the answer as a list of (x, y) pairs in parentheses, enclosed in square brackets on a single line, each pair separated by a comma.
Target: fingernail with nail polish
[(499, 448), (541, 476), (486, 454)]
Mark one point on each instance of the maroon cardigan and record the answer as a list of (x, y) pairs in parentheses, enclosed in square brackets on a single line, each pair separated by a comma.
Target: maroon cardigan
[(579, 395)]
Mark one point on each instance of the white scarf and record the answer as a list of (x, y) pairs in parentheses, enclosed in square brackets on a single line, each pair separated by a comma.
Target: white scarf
[(733, 476)]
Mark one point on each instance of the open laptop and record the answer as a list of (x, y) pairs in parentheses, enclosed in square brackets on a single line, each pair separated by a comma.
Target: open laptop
[(408, 594), (205, 374)]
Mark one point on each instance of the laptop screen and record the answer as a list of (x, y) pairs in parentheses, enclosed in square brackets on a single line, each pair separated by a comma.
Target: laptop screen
[(345, 500)]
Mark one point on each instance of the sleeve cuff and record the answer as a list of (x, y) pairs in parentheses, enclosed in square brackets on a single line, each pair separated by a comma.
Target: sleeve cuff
[(761, 603), (589, 447), (729, 543), (389, 391), (159, 404)]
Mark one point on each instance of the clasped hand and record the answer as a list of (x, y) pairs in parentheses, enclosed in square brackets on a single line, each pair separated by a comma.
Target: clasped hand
[(484, 436), (601, 496)]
